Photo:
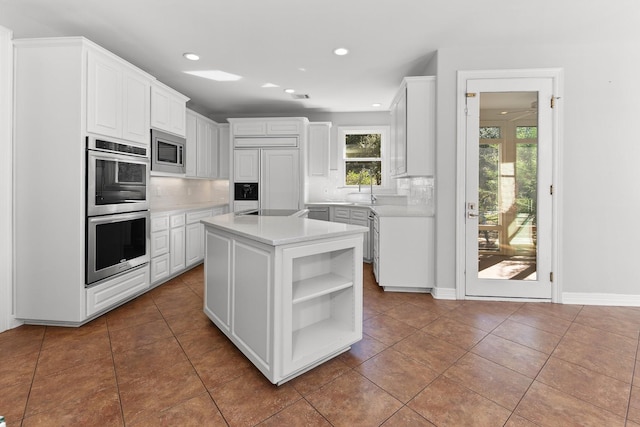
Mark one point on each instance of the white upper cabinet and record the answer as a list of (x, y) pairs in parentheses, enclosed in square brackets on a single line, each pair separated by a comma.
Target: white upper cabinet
[(414, 128), (202, 152), (268, 132), (246, 167), (280, 179), (318, 151), (117, 98), (191, 155), (168, 109), (224, 151), (260, 127)]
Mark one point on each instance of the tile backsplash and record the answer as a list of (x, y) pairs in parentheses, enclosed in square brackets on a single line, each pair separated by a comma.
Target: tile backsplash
[(419, 191), (167, 192)]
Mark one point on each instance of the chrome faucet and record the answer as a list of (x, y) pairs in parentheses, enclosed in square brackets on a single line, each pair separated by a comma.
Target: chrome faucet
[(373, 198)]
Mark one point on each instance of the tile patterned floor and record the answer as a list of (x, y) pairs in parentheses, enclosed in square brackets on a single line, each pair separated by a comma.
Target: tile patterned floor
[(158, 360)]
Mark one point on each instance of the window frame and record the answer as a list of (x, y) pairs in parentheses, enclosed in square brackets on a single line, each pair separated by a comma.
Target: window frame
[(384, 132)]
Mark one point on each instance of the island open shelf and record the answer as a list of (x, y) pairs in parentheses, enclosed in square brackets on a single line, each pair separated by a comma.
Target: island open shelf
[(289, 301)]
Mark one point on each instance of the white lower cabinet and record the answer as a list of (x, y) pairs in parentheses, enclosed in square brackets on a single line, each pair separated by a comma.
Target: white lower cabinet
[(403, 253), (355, 216), (287, 308), (115, 290), (194, 236), (177, 241)]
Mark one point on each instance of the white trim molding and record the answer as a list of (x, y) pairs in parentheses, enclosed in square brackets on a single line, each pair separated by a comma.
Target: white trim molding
[(7, 319), (557, 75), (443, 293), (582, 298)]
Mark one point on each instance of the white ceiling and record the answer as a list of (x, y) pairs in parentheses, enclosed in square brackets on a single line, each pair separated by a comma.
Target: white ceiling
[(271, 40)]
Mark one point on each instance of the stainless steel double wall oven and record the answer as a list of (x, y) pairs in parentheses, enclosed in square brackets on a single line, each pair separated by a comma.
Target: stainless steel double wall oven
[(117, 208)]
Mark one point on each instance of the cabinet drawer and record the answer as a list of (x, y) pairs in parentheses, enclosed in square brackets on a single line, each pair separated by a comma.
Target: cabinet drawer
[(197, 216), (360, 214), (113, 291), (176, 220), (341, 213), (159, 243), (159, 223)]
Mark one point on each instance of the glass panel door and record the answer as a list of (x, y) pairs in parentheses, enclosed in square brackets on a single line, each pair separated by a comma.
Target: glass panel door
[(504, 172)]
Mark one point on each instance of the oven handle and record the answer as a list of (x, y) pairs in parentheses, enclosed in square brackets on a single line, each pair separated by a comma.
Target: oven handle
[(107, 219)]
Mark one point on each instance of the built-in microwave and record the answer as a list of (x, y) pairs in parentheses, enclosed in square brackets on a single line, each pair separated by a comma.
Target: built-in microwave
[(167, 152)]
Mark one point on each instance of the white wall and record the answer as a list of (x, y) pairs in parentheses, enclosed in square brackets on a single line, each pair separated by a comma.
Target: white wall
[(599, 174), (6, 182)]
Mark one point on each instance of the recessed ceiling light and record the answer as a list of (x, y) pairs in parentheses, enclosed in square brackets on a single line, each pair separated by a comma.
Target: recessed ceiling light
[(504, 112), (270, 85), (376, 104), (191, 56), (341, 51), (217, 75), (302, 69), (289, 90)]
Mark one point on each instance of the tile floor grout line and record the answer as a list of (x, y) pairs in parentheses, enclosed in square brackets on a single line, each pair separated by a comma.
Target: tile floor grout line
[(560, 391), (173, 334), (115, 373), (633, 374), (33, 376), (538, 374)]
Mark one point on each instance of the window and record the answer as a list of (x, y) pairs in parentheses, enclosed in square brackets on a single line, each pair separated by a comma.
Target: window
[(363, 151)]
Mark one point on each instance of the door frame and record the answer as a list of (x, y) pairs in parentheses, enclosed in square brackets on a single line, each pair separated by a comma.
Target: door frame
[(7, 319), (557, 76)]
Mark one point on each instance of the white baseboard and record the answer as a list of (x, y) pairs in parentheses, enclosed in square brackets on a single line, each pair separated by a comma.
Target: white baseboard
[(444, 293), (600, 299)]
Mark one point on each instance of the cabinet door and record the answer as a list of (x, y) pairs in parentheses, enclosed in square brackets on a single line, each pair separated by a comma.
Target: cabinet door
[(400, 141), (194, 243), (217, 292), (366, 244), (318, 153), (224, 151), (245, 165), (159, 268), (168, 109), (177, 250), (104, 95), (280, 179), (204, 148), (214, 151), (159, 243), (136, 108), (191, 155)]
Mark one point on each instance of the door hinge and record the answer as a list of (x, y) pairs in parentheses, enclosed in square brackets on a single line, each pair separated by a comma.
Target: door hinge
[(470, 94), (551, 277), (553, 101), (551, 189)]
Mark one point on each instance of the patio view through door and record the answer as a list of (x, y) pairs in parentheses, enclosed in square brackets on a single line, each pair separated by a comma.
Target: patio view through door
[(508, 188)]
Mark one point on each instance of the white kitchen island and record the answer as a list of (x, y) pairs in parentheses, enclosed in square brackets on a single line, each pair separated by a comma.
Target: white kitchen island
[(287, 291)]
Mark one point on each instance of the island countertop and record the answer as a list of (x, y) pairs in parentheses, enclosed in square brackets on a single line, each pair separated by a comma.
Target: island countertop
[(280, 230)]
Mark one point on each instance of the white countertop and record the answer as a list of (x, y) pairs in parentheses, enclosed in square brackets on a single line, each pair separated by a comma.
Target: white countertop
[(281, 230)]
